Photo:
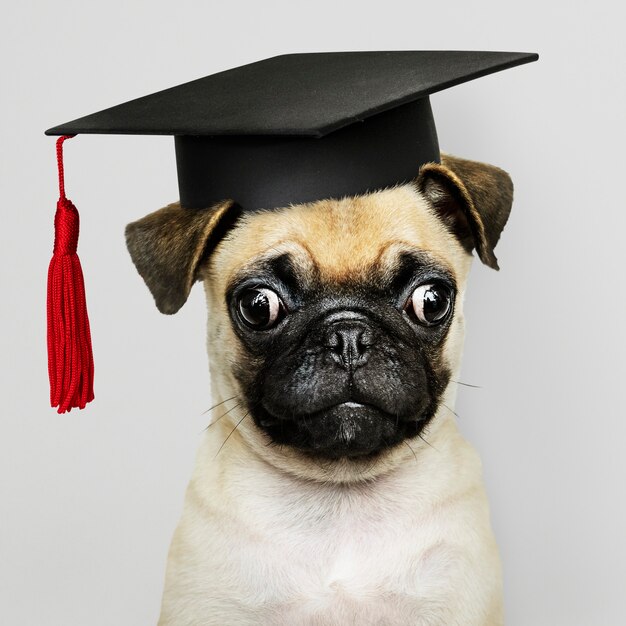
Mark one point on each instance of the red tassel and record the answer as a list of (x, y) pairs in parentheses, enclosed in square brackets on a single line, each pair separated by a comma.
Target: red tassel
[(70, 359)]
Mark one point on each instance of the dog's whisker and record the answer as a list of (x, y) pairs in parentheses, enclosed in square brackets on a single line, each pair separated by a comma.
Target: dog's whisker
[(443, 404), (370, 467), (218, 404), (406, 443), (323, 469), (426, 442), (458, 382), (278, 252), (232, 408), (231, 432)]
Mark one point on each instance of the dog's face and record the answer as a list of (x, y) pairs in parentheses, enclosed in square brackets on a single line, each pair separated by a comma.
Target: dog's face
[(338, 325), (339, 313)]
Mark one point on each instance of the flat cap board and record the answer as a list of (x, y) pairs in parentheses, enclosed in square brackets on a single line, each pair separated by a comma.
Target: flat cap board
[(297, 94)]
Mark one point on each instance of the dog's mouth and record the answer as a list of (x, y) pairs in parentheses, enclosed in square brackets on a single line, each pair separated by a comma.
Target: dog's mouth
[(346, 429), (349, 407)]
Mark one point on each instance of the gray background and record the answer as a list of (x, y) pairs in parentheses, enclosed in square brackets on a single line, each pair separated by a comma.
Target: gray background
[(88, 501)]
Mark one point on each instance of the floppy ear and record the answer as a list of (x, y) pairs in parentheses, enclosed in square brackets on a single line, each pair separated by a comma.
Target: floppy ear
[(473, 199), (169, 245)]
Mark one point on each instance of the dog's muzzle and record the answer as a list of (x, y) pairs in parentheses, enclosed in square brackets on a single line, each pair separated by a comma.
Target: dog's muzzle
[(351, 388)]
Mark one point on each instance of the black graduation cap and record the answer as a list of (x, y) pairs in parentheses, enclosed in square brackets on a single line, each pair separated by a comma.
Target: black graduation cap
[(300, 127)]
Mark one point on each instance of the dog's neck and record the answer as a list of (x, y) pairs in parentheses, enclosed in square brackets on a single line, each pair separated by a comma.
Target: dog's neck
[(237, 480)]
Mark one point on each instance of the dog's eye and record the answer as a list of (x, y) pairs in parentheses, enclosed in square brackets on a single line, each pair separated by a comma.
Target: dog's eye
[(260, 308), (430, 304)]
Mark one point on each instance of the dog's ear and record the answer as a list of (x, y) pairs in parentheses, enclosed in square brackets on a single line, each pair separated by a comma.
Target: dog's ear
[(473, 200), (169, 246)]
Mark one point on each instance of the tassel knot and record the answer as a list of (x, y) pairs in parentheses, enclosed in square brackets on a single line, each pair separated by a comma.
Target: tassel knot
[(66, 227)]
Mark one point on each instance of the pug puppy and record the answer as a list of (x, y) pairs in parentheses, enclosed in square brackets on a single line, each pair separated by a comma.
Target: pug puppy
[(333, 488)]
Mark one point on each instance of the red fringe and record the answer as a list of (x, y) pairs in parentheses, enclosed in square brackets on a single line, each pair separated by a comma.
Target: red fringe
[(70, 358)]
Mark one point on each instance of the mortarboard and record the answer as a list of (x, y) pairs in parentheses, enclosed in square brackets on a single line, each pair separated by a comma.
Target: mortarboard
[(291, 129), (252, 133)]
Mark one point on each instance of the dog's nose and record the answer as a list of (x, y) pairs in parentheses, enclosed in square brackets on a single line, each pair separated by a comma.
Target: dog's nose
[(349, 342)]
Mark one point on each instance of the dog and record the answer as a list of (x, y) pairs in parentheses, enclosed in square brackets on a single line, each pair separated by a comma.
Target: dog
[(334, 487)]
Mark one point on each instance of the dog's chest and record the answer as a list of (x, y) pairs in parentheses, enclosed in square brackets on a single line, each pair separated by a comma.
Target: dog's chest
[(350, 562), (360, 573)]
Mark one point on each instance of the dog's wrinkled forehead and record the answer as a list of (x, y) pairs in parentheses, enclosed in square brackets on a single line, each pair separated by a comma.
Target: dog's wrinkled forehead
[(342, 241)]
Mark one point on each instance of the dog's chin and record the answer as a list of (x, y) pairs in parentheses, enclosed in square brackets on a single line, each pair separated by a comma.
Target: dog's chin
[(346, 430)]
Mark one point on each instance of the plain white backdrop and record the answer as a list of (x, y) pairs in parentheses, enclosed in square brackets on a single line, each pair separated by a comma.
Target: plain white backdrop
[(89, 500)]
